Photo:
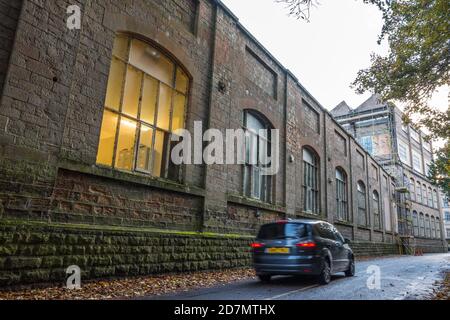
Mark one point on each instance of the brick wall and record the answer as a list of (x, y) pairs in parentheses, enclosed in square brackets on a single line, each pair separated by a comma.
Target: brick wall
[(9, 16)]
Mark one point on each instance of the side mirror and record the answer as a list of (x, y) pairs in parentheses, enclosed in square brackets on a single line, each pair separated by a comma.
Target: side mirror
[(347, 241)]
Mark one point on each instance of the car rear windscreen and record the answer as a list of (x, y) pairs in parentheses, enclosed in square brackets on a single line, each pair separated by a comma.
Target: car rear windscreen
[(283, 231)]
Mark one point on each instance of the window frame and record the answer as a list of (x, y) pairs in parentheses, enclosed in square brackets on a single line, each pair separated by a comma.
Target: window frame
[(342, 195), (140, 123), (362, 210), (266, 182), (376, 210), (311, 182), (416, 226)]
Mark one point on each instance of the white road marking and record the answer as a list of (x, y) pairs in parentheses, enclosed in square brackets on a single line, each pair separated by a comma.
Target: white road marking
[(292, 292)]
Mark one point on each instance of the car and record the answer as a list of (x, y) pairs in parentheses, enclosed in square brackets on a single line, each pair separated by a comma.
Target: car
[(301, 247)]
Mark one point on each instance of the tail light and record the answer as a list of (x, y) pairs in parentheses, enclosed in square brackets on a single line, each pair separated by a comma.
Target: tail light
[(256, 245), (307, 244)]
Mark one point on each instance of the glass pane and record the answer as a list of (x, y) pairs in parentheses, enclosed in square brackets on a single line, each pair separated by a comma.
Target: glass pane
[(151, 61), (107, 138), (253, 123), (120, 48), (178, 112), (165, 101), (149, 95), (182, 81), (145, 149), (132, 92), (115, 83), (158, 154), (125, 144)]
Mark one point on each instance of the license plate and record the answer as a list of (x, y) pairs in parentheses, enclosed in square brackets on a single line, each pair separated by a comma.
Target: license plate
[(277, 250)]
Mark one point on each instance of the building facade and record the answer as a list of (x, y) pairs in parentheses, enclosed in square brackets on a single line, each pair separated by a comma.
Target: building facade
[(86, 117), (446, 215), (406, 155)]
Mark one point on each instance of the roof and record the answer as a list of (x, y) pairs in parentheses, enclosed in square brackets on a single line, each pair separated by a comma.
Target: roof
[(341, 109), (373, 102)]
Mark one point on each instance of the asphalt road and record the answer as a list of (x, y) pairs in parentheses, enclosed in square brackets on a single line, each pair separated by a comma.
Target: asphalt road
[(402, 277)]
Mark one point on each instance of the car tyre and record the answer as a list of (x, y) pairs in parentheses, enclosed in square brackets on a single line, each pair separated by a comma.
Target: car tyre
[(264, 277), (325, 275), (351, 269)]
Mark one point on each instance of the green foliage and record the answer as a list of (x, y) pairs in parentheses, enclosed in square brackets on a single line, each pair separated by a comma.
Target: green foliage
[(417, 64), (440, 168)]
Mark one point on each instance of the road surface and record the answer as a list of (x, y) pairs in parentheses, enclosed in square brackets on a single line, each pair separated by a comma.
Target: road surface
[(403, 277)]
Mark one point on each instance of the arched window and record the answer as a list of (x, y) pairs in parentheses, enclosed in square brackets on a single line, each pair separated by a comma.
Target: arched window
[(145, 103), (412, 189), (435, 199), (438, 228), (419, 192), (433, 227), (341, 195), (376, 210), (427, 226), (362, 207), (422, 225), (310, 181), (415, 223), (424, 195), (430, 198), (257, 129)]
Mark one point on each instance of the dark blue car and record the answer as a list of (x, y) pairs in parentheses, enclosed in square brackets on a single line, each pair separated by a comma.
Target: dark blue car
[(302, 247)]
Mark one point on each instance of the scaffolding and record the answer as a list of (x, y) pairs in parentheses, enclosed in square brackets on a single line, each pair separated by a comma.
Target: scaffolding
[(382, 125)]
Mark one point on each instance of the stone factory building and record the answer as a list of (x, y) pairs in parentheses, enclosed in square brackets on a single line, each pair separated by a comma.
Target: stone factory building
[(86, 117), (406, 155)]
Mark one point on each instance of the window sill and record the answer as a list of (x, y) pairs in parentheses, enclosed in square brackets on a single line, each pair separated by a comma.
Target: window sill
[(254, 203), (364, 228), (132, 177)]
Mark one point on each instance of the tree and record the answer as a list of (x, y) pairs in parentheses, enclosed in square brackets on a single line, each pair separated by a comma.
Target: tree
[(417, 65)]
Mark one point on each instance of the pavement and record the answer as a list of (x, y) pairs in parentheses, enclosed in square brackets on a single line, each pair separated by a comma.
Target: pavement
[(400, 277)]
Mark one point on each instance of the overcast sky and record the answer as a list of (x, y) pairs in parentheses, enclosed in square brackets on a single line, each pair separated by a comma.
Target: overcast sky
[(326, 53)]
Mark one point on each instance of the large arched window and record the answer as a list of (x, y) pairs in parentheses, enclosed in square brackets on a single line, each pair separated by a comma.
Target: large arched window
[(412, 189), (145, 102), (438, 228), (415, 223), (435, 199), (376, 210), (341, 195), (427, 226), (362, 207), (433, 227), (422, 225), (419, 192), (310, 181), (256, 184), (424, 195), (430, 197)]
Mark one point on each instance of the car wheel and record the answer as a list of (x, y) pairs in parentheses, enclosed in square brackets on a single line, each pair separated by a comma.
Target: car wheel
[(264, 277), (351, 269), (325, 275)]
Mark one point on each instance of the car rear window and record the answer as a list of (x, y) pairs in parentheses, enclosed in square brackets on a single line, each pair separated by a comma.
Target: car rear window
[(283, 231)]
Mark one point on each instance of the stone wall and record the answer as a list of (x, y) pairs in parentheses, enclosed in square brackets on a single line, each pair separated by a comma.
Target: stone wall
[(40, 253)]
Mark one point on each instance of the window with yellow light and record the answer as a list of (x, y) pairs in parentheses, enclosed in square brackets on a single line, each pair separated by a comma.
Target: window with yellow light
[(145, 103)]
